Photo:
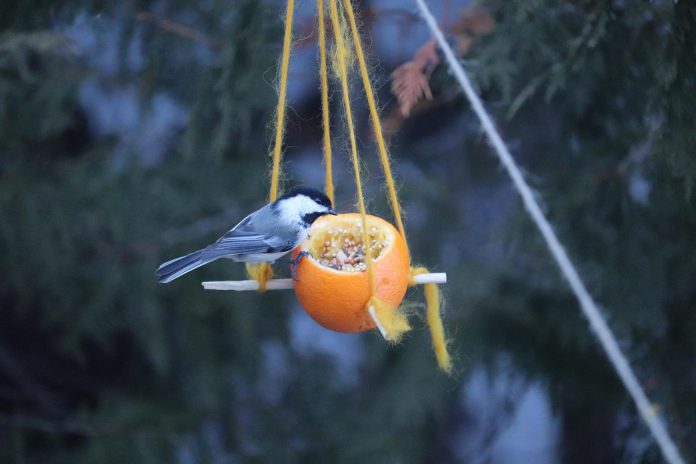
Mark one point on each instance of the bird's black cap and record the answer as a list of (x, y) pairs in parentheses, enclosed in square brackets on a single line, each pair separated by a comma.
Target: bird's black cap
[(315, 195)]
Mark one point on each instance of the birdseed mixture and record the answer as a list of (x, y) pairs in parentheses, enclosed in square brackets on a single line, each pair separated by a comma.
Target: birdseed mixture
[(342, 248)]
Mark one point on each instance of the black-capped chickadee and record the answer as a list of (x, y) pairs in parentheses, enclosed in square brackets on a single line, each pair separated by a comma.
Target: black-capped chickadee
[(263, 236)]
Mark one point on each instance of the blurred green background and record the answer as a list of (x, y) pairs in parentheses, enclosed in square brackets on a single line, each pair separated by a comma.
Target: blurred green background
[(131, 133)]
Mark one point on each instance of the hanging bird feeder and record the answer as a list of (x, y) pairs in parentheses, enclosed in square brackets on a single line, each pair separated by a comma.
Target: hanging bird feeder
[(332, 282), (355, 268)]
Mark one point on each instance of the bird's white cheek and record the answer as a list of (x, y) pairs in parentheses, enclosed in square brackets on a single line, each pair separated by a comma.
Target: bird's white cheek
[(302, 236)]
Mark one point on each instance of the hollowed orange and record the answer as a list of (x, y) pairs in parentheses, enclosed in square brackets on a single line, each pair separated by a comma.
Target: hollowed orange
[(336, 299)]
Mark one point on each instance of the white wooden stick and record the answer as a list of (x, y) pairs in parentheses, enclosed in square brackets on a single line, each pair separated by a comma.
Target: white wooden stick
[(286, 284), (244, 285)]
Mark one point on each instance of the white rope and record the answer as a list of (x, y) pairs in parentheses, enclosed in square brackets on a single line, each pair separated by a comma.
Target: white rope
[(589, 308)]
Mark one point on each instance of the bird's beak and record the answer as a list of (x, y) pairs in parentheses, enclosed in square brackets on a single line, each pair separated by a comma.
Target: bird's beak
[(332, 211)]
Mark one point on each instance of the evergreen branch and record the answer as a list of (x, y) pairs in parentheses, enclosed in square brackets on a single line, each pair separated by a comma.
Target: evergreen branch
[(178, 29)]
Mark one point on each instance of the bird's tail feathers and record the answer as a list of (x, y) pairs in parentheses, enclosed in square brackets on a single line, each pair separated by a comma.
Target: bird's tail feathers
[(180, 266)]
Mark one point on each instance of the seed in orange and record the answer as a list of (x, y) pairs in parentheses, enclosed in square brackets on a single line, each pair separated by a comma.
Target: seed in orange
[(336, 298)]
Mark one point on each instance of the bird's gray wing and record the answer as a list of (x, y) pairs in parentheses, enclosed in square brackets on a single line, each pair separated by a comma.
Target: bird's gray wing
[(240, 242), (255, 234)]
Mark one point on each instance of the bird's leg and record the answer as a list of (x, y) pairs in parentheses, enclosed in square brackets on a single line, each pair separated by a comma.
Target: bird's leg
[(294, 262)]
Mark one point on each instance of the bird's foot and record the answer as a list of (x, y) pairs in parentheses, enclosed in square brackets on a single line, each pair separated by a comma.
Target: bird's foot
[(294, 262)]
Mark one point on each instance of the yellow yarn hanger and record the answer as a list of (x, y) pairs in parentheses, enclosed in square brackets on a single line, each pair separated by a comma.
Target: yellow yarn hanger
[(432, 293), (391, 320), (282, 95), (328, 163), (376, 124), (264, 272)]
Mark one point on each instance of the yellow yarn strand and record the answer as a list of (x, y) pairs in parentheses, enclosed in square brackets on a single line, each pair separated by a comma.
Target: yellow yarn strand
[(376, 124), (263, 272), (432, 293), (437, 331), (280, 121), (343, 76), (393, 322), (329, 187)]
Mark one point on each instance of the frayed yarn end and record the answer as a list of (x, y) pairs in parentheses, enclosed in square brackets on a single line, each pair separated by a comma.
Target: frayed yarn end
[(392, 323), (261, 273)]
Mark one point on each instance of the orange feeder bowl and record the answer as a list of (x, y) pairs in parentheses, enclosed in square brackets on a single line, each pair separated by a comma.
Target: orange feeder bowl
[(333, 284)]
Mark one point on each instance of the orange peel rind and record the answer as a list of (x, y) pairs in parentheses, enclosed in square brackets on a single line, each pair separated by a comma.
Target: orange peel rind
[(337, 299)]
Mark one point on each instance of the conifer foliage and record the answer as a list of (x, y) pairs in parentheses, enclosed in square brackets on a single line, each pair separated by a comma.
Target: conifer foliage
[(133, 132)]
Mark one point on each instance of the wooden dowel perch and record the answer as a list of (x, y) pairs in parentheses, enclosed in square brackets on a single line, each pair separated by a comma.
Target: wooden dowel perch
[(286, 284)]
